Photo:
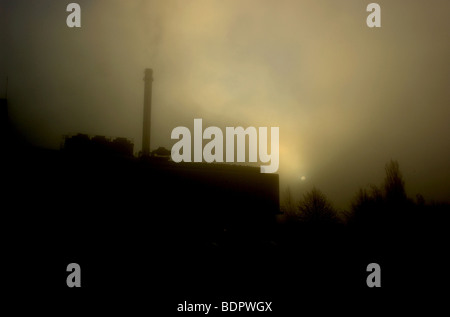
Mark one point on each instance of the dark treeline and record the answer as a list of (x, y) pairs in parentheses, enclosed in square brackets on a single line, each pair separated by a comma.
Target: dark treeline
[(407, 236), (381, 206)]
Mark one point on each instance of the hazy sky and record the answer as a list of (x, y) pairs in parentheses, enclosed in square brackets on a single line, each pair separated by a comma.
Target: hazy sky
[(347, 98)]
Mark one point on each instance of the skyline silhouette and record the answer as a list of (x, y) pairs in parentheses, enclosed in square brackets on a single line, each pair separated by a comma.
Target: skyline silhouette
[(209, 230), (363, 172), (344, 96)]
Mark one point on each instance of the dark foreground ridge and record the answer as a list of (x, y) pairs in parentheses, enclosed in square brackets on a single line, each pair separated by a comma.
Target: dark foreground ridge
[(149, 232)]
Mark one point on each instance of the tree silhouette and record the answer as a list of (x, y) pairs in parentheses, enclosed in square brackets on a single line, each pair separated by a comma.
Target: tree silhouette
[(379, 206), (315, 208), (161, 151), (394, 185), (367, 205)]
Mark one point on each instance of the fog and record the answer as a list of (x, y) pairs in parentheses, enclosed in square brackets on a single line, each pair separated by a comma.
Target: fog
[(347, 98)]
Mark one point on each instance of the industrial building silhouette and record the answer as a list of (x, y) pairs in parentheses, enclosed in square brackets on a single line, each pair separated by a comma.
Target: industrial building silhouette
[(146, 227), (210, 198), (94, 202)]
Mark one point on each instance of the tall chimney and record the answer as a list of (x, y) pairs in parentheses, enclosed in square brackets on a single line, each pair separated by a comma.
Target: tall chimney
[(148, 79)]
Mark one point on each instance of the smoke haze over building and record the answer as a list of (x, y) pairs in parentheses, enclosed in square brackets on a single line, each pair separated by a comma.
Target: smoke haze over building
[(347, 98)]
